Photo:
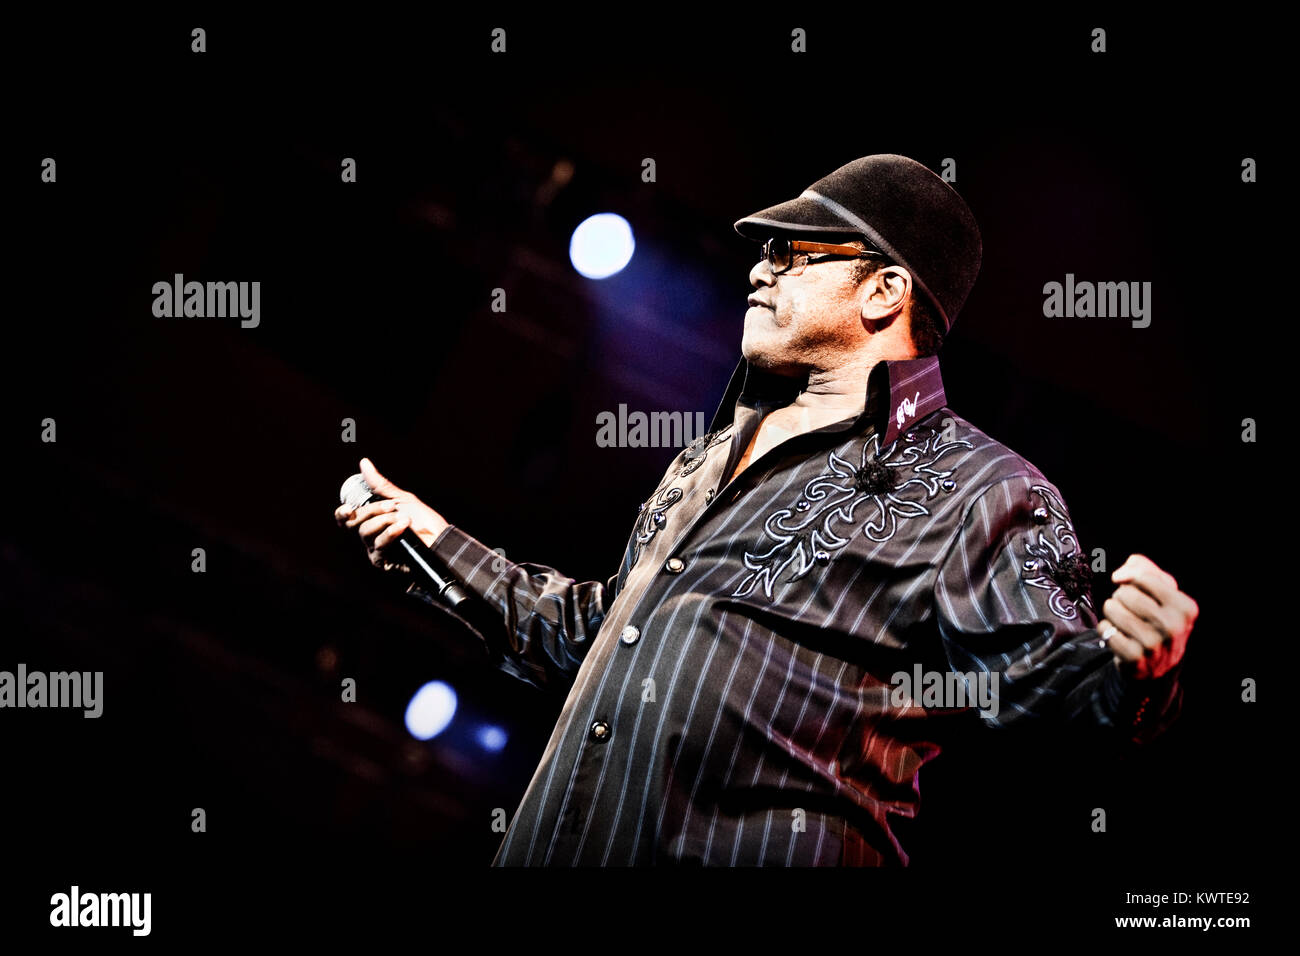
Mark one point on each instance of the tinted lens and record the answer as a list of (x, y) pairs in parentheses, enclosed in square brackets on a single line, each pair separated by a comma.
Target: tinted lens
[(778, 254)]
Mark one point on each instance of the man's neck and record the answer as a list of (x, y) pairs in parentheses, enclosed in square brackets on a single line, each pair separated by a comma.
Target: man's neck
[(841, 389), (830, 395)]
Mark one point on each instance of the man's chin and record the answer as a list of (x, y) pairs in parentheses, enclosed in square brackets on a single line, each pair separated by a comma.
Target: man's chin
[(763, 356), (754, 352)]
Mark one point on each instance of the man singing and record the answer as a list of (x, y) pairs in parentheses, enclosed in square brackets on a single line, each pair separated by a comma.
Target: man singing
[(842, 569)]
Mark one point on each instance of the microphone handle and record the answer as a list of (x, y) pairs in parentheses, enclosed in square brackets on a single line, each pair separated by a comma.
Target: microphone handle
[(447, 589)]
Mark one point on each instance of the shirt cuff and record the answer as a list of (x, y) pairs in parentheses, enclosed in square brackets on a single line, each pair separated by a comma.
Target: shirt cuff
[(1143, 709)]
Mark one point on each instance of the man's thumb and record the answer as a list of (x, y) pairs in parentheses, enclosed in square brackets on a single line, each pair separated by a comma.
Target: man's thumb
[(377, 482)]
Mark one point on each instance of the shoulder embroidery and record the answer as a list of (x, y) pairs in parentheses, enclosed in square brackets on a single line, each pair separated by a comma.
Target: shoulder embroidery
[(1056, 561), (886, 487), (699, 449)]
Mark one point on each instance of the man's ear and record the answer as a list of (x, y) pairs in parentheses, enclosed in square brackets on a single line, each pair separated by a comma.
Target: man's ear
[(884, 294)]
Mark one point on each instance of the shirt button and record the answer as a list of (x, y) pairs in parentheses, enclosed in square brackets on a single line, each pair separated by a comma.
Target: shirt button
[(675, 565), (600, 730), (630, 635), (708, 495)]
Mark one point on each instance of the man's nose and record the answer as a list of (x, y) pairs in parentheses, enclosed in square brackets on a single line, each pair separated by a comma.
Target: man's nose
[(761, 274)]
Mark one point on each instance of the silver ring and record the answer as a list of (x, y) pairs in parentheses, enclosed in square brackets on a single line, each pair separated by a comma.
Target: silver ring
[(1110, 631)]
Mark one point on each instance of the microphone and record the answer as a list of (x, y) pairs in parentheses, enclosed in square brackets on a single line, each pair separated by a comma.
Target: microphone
[(357, 492)]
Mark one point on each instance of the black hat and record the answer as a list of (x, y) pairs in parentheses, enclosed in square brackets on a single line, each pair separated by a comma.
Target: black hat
[(898, 206)]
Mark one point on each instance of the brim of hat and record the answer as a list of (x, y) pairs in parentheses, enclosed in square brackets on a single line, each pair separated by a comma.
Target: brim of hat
[(796, 215)]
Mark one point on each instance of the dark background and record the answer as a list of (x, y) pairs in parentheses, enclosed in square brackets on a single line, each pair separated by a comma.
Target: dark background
[(222, 688)]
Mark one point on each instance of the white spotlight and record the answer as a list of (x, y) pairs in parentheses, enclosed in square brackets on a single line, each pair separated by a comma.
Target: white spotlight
[(601, 245)]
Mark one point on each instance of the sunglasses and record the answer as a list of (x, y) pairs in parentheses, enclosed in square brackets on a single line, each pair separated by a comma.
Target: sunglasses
[(781, 253)]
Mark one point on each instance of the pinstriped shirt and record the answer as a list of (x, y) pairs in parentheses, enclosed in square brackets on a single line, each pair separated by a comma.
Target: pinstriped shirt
[(738, 692)]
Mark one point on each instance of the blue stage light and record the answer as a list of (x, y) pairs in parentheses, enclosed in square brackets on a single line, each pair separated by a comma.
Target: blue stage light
[(491, 738), (430, 710)]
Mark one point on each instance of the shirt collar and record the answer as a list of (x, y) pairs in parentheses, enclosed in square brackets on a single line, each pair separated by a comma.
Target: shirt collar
[(911, 389)]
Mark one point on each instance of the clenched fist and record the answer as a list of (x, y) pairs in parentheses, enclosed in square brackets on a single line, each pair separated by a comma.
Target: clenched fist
[(1148, 619), (381, 522)]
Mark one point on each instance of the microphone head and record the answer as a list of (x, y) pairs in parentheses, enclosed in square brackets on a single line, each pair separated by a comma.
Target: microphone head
[(355, 492)]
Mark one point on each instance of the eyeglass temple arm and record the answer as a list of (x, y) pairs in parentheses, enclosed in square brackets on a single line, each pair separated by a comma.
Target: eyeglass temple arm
[(799, 245)]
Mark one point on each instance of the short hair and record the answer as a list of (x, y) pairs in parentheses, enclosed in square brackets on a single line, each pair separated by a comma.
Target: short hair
[(925, 326)]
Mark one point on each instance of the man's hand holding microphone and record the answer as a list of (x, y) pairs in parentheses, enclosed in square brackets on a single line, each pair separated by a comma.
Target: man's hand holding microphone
[(381, 523), (396, 527)]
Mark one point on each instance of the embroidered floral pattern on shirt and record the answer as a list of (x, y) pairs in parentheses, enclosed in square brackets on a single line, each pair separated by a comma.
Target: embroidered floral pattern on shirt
[(698, 450), (653, 517), (653, 513), (1057, 563), (885, 488)]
